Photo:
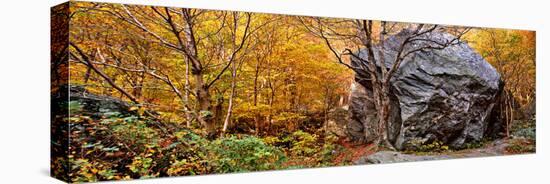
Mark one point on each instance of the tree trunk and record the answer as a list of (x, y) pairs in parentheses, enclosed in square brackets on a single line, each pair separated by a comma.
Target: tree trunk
[(205, 115), (230, 106), (384, 120), (138, 88), (271, 99), (509, 113), (188, 115), (326, 108), (87, 75), (255, 95)]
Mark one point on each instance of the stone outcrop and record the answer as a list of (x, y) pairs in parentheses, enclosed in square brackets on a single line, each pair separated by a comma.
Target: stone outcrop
[(444, 95), (337, 121), (90, 104)]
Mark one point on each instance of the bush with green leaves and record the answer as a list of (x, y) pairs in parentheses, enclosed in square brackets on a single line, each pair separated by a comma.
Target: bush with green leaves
[(524, 129), (194, 154), (188, 156), (74, 107), (529, 133), (271, 140), (133, 132), (303, 143), (143, 166), (326, 153), (234, 154)]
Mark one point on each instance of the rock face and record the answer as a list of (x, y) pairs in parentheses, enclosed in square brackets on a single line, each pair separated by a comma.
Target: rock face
[(362, 125), (443, 95), (338, 118)]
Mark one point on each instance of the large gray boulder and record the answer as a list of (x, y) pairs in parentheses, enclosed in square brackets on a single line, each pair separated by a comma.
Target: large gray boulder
[(443, 95)]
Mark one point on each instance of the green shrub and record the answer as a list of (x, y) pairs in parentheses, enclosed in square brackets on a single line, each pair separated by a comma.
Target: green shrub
[(327, 151), (188, 156), (197, 155), (528, 132), (303, 143), (309, 150), (134, 133), (74, 107), (249, 153), (271, 140), (142, 165)]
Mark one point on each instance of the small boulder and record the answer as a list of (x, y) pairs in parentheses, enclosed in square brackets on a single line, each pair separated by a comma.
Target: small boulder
[(89, 104)]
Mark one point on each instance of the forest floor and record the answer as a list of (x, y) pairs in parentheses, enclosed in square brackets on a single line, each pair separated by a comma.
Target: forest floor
[(352, 152), (522, 140), (366, 154), (118, 143)]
